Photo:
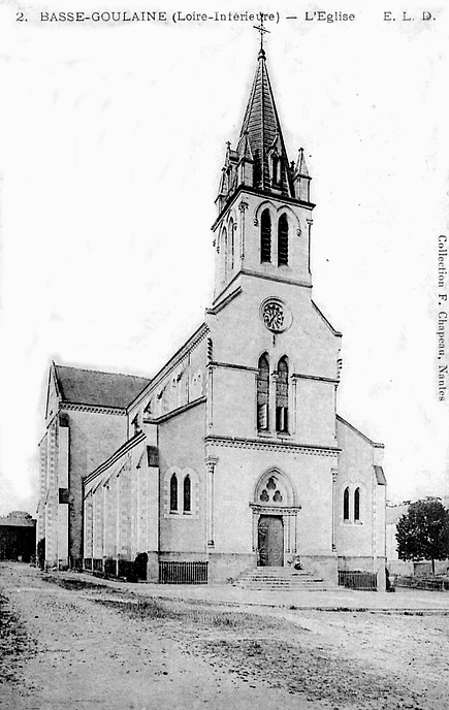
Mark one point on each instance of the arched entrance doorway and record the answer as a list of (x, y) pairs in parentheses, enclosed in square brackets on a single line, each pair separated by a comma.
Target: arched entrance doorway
[(274, 519), (270, 541)]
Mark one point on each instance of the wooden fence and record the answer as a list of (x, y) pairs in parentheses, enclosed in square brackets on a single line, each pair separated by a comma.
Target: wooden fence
[(431, 584)]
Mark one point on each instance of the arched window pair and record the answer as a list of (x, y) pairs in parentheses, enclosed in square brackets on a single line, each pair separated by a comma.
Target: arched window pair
[(186, 494), (265, 238), (346, 505), (263, 394)]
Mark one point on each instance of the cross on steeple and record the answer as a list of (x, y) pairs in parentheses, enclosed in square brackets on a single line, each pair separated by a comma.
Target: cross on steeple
[(261, 29)]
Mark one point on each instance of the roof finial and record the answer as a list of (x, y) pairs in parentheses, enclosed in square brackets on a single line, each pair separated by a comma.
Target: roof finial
[(261, 29)]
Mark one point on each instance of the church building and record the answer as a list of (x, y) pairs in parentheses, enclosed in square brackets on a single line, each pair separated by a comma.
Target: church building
[(232, 456)]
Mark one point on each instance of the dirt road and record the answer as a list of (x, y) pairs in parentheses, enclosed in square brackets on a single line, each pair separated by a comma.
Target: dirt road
[(76, 644)]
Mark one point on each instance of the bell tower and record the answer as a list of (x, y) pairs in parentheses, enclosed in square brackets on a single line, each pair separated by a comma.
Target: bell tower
[(264, 210)]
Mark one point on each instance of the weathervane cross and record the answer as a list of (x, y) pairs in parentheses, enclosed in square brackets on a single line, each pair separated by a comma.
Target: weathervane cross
[(261, 29)]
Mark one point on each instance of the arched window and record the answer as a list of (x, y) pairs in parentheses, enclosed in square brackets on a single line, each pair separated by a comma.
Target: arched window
[(231, 245), (263, 391), (173, 493), (357, 504), (224, 246), (265, 237), (276, 169), (257, 169), (187, 495), (282, 396), (346, 504), (283, 241)]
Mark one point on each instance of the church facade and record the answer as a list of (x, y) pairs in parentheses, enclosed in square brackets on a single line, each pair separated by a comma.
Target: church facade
[(233, 453)]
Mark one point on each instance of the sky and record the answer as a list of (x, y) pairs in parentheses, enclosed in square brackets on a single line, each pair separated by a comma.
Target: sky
[(112, 140)]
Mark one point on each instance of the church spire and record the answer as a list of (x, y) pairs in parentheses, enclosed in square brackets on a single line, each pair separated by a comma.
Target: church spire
[(263, 227), (262, 127), (260, 160)]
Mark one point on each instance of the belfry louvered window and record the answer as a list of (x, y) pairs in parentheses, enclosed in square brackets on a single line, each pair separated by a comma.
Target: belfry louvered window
[(265, 237), (282, 396), (257, 169), (263, 390), (276, 170), (283, 241)]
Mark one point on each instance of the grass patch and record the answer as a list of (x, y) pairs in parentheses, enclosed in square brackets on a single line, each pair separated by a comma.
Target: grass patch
[(194, 615), (141, 608), (78, 584), (226, 620)]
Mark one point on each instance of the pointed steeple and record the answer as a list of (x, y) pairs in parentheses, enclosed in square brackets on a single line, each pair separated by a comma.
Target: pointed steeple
[(263, 130), (301, 178), (260, 161), (301, 166)]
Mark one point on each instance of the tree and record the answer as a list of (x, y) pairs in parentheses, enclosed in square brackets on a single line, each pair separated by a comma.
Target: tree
[(423, 532)]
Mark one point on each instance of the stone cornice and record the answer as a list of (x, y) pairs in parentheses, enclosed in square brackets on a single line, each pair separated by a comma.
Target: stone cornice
[(275, 277), (219, 304), (124, 449), (233, 366), (177, 411), (259, 193), (297, 376), (271, 445), (275, 509), (92, 408), (230, 297)]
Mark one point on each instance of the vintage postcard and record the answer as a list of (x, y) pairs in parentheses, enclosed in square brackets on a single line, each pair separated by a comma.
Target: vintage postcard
[(224, 295)]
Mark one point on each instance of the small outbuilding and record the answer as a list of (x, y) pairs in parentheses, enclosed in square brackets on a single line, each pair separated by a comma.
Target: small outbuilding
[(17, 536)]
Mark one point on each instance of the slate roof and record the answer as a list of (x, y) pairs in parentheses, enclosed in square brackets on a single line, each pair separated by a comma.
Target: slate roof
[(101, 389), (261, 126)]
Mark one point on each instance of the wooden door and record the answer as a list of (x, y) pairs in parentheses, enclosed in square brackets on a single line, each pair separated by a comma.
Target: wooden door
[(271, 541)]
